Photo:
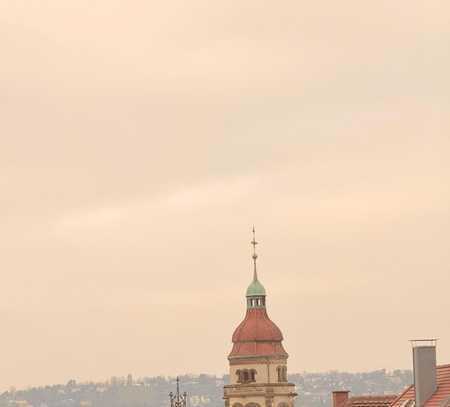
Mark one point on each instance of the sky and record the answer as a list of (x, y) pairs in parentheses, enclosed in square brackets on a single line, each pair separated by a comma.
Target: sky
[(140, 141)]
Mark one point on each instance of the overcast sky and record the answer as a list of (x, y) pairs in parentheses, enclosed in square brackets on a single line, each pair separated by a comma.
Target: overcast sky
[(141, 140)]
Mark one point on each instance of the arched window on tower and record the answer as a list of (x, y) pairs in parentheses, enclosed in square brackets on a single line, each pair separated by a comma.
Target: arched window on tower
[(246, 375), (282, 373), (256, 302)]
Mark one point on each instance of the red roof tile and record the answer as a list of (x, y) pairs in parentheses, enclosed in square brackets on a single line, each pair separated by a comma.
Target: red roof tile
[(441, 398), (257, 326), (371, 401), (257, 335)]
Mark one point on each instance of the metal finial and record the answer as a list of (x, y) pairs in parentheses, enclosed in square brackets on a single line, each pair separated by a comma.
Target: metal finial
[(254, 256), (178, 400)]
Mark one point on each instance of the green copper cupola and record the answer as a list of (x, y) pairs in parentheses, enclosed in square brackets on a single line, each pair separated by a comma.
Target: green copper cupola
[(256, 293)]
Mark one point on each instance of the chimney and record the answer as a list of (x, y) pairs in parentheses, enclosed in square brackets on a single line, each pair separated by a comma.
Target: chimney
[(340, 398), (424, 364)]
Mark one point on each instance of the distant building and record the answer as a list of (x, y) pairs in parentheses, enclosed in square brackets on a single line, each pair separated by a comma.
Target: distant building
[(129, 380), (21, 403), (258, 361)]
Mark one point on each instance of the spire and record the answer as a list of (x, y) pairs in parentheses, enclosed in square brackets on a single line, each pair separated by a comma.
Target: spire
[(255, 256), (178, 400), (255, 289)]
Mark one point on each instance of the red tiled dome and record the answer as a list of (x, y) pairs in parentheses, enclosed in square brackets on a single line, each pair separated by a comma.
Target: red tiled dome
[(257, 326), (257, 335)]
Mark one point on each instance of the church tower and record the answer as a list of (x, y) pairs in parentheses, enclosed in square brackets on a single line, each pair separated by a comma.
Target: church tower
[(258, 361)]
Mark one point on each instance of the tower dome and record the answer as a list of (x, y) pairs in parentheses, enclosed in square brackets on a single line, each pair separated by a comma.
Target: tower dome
[(257, 335), (258, 361), (257, 327), (255, 289)]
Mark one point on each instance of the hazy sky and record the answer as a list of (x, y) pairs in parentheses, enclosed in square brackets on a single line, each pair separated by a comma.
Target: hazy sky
[(141, 140)]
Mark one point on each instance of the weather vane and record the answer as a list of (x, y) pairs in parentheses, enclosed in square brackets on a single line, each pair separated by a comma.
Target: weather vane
[(255, 256), (178, 400)]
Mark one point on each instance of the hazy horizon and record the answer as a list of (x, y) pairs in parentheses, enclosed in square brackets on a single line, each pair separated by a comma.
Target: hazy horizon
[(139, 143), (122, 379)]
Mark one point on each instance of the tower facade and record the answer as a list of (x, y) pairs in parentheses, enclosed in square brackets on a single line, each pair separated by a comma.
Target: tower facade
[(258, 361)]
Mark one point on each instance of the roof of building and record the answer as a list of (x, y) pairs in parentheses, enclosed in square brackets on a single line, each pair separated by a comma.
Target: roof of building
[(257, 326), (257, 349), (441, 398), (255, 289), (371, 401), (257, 335)]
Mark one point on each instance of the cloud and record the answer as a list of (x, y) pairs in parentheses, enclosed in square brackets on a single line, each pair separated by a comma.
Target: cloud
[(139, 142)]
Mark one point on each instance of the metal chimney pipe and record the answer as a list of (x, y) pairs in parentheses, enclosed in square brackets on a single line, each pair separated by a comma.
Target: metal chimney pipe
[(424, 363)]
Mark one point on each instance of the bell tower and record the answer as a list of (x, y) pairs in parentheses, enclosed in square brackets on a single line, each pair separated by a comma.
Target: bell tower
[(258, 361)]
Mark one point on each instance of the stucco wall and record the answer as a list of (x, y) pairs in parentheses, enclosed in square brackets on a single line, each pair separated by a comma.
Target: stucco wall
[(266, 372), (261, 401)]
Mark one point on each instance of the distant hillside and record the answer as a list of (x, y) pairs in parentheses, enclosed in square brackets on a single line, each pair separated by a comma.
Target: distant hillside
[(204, 390)]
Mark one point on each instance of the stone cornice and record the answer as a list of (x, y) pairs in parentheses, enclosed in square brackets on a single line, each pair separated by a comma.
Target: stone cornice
[(243, 396), (250, 360), (249, 386)]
